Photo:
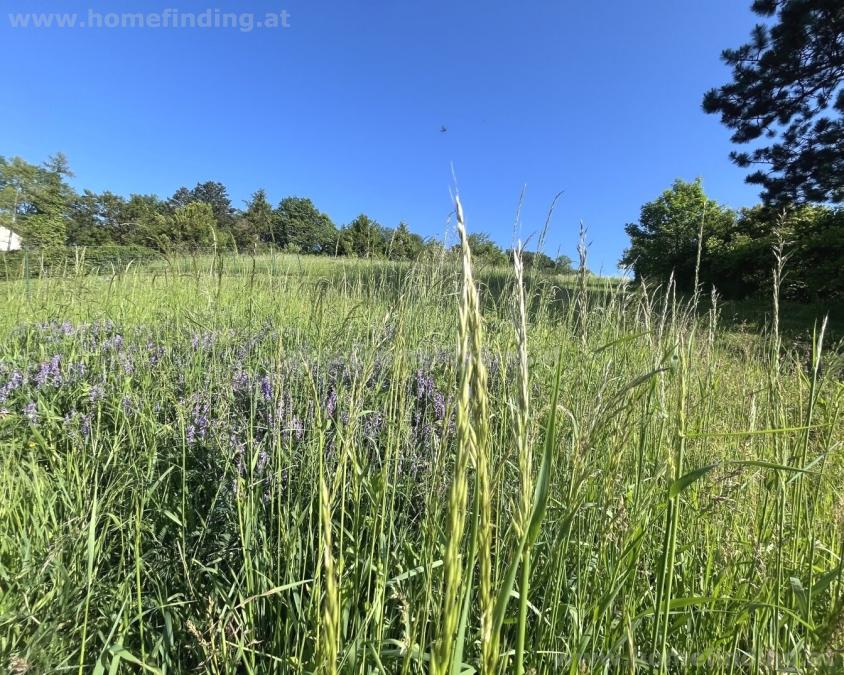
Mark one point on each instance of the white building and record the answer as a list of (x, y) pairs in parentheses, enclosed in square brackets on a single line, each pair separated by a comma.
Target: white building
[(9, 241)]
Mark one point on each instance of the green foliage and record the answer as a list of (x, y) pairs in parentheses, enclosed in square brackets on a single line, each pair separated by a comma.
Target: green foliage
[(665, 239), (256, 224), (212, 193), (97, 219), (404, 244), (538, 261), (737, 256), (364, 238), (34, 200), (485, 250), (299, 223), (142, 215), (787, 84)]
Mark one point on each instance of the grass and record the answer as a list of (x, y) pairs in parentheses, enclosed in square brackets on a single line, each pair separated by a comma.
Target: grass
[(303, 465)]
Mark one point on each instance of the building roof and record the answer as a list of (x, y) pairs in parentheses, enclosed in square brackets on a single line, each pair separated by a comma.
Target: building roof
[(9, 240)]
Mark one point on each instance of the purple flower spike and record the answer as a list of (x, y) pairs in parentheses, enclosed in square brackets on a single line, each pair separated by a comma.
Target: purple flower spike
[(85, 425), (331, 403), (96, 394), (266, 389), (30, 411)]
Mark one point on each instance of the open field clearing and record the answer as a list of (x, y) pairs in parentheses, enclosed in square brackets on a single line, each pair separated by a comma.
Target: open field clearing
[(303, 465)]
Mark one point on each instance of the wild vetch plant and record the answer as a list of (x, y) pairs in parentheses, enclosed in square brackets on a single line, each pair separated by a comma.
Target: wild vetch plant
[(296, 465)]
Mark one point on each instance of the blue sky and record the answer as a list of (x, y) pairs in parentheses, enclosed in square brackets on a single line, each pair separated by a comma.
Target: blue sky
[(598, 99)]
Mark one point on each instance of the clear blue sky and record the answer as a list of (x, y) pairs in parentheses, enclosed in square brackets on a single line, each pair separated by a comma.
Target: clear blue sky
[(598, 99)]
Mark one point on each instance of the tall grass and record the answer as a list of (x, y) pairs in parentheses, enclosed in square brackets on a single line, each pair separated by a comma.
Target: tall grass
[(283, 464)]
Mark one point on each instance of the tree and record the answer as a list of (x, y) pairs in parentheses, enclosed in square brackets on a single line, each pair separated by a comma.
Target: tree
[(257, 223), (141, 220), (34, 200), (299, 224), (784, 82), (564, 265), (363, 237), (404, 244), (484, 249), (96, 219), (191, 226), (216, 196), (814, 240), (212, 193), (665, 239)]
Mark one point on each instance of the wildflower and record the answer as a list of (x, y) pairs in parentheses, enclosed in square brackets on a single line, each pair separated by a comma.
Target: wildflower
[(114, 343), (297, 428), (198, 429), (423, 385), (78, 370), (127, 405), (95, 394), (30, 411), (439, 406), (266, 388), (49, 372), (240, 381), (331, 403), (85, 425), (372, 425), (14, 382), (126, 364), (155, 352)]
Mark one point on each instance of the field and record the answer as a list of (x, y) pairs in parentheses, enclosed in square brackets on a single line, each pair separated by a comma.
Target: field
[(289, 464)]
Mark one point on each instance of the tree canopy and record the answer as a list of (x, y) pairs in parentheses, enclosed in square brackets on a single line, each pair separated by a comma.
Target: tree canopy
[(787, 89), (38, 204), (736, 249), (34, 200)]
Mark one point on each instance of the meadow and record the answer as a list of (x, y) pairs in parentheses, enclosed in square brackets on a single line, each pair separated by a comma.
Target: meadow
[(303, 465)]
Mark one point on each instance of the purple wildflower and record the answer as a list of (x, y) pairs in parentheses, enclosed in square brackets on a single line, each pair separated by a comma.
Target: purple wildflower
[(198, 429), (95, 394), (156, 353), (49, 372), (297, 428), (14, 382), (126, 364), (127, 405), (85, 425), (30, 411), (78, 369), (423, 385), (240, 381), (266, 388), (331, 403), (372, 425), (439, 406), (113, 343)]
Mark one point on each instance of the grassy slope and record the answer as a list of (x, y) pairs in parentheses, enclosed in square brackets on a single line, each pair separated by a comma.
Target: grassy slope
[(164, 507)]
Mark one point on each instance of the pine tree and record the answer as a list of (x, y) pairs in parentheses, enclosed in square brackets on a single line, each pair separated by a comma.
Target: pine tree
[(787, 85)]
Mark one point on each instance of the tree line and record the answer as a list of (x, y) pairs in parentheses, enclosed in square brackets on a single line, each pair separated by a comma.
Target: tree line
[(38, 204), (735, 248)]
